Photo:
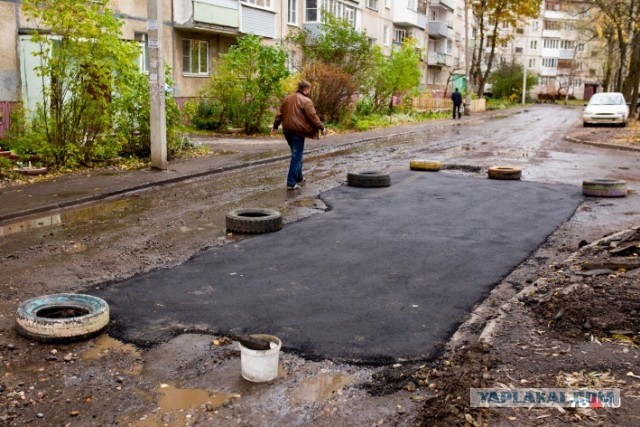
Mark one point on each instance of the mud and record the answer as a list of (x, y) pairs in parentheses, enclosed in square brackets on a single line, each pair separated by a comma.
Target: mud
[(507, 340)]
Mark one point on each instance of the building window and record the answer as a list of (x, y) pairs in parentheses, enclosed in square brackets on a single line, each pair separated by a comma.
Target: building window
[(567, 44), (580, 47), (532, 62), (551, 43), (552, 25), (398, 36), (311, 11), (518, 50), (449, 47), (387, 4), (533, 45), (385, 35), (143, 59), (372, 4), (412, 5), (334, 7), (550, 62), (292, 13), (262, 3), (434, 15), (195, 57), (577, 83), (535, 25)]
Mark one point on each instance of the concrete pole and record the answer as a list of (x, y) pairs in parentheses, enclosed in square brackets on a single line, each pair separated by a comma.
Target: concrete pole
[(158, 126), (467, 98), (524, 67)]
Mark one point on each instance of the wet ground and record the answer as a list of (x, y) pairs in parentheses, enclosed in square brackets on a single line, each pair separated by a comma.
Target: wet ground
[(194, 378)]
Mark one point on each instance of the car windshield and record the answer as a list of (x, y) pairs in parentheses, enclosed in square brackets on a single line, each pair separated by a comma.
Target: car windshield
[(606, 99)]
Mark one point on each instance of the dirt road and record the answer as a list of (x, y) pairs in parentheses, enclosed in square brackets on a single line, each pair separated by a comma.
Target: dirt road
[(194, 379)]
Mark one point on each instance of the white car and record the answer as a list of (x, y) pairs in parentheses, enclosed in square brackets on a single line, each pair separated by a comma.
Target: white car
[(606, 107)]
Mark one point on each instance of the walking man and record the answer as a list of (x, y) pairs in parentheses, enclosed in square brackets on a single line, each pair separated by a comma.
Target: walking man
[(456, 97), (299, 120)]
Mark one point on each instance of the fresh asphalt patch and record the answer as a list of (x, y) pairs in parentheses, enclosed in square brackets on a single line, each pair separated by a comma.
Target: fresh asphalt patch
[(385, 274)]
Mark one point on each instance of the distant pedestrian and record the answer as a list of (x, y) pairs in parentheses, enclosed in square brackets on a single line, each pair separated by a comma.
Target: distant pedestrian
[(299, 120), (456, 97)]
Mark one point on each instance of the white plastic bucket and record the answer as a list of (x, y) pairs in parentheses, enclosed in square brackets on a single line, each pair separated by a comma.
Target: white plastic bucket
[(260, 365)]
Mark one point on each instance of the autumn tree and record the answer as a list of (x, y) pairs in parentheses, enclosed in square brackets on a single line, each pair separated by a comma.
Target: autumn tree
[(618, 25), (490, 16)]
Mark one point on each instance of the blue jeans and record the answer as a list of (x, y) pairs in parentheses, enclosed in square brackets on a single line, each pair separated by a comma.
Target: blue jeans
[(296, 144)]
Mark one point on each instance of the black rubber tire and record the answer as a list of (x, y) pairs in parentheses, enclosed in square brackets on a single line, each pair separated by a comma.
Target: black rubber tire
[(604, 188), (369, 179), (254, 220), (43, 318), (504, 172)]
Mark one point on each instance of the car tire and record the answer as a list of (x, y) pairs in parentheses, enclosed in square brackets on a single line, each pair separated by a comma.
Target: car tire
[(253, 220), (62, 317), (585, 124), (425, 165), (604, 188), (369, 179), (504, 172)]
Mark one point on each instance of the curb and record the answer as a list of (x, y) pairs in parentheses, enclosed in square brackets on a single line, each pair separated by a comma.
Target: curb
[(601, 144)]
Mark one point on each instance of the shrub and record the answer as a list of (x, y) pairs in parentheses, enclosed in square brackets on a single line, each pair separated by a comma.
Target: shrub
[(332, 91)]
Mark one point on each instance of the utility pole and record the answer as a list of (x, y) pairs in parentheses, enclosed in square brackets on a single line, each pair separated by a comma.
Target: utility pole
[(158, 125), (524, 67), (467, 98)]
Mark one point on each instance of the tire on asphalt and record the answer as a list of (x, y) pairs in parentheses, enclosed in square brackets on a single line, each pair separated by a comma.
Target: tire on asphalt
[(62, 317), (369, 179), (253, 220), (504, 172), (604, 188), (425, 165)]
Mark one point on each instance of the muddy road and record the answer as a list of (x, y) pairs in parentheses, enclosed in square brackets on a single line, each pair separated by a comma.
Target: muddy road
[(194, 379)]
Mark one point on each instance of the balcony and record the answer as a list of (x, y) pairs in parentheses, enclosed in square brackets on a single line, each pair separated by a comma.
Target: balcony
[(437, 59), (438, 30), (216, 16), (405, 17), (447, 4), (548, 71), (566, 54)]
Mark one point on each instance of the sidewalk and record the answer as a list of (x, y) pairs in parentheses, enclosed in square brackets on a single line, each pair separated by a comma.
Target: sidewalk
[(19, 201)]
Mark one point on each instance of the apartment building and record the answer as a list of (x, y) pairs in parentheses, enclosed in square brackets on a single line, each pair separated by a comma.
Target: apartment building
[(445, 45), (554, 47)]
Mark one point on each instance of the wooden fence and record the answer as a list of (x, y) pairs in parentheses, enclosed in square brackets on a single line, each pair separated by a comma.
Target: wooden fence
[(429, 103), (6, 108)]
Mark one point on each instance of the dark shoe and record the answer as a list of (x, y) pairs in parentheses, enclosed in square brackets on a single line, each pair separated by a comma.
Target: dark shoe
[(303, 181), (295, 187)]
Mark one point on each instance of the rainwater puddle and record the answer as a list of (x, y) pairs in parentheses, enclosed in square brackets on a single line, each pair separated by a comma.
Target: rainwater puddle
[(105, 345), (118, 208), (177, 407), (321, 387)]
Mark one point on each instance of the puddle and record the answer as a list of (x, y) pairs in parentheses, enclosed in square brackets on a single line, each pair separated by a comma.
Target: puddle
[(120, 208), (321, 387), (179, 407), (105, 345)]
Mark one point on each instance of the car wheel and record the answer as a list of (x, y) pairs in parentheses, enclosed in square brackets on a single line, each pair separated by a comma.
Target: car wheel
[(504, 172), (62, 317), (370, 179), (425, 165), (253, 220), (585, 124), (604, 188)]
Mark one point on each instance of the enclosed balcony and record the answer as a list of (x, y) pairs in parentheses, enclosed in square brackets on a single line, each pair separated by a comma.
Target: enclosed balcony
[(439, 29)]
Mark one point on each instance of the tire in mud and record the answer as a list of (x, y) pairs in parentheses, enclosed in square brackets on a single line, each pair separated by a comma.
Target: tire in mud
[(253, 220), (369, 179), (425, 165), (505, 172), (62, 317), (604, 188)]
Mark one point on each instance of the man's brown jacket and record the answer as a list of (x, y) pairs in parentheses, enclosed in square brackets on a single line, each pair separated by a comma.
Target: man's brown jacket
[(298, 116)]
